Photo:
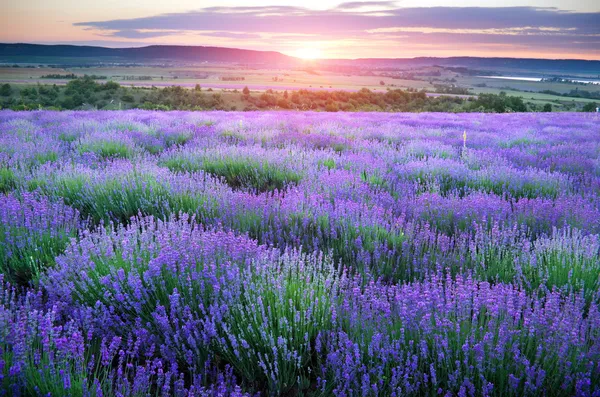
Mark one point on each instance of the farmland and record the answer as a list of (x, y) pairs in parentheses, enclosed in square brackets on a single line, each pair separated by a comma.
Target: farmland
[(226, 78), (298, 253)]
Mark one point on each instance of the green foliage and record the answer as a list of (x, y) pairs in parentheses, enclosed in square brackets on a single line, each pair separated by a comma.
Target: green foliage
[(499, 103), (8, 180), (5, 90), (36, 252), (178, 139), (564, 261), (46, 157), (85, 91), (181, 164), (331, 107), (68, 136), (328, 163), (290, 303), (107, 149), (115, 199), (110, 86), (128, 98), (120, 198), (46, 361), (249, 173)]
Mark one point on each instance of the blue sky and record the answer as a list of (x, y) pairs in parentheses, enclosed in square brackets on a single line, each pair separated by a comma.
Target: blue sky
[(407, 28)]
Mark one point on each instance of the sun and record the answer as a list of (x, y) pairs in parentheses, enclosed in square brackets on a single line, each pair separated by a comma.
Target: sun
[(308, 53)]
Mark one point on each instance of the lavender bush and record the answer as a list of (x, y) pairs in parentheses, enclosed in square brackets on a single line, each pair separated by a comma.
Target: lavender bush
[(215, 254), (33, 230)]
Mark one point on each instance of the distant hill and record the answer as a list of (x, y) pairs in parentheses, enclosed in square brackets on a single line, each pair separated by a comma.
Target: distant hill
[(533, 66), (9, 52), (66, 54)]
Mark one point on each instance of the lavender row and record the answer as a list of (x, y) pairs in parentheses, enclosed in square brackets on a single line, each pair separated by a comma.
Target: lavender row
[(160, 299), (190, 253)]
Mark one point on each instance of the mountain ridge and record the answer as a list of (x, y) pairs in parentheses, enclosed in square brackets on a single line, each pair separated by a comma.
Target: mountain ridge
[(238, 55)]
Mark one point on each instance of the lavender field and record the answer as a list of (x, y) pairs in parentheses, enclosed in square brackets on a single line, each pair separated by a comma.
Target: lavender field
[(273, 253)]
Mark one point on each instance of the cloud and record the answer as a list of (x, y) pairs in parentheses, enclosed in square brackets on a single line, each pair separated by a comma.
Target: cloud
[(141, 34), (231, 35), (384, 20), (283, 19), (145, 34), (353, 5)]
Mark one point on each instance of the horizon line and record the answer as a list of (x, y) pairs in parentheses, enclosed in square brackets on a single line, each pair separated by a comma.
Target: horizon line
[(291, 56)]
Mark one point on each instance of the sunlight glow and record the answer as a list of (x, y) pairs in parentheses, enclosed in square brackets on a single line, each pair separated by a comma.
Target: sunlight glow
[(308, 53)]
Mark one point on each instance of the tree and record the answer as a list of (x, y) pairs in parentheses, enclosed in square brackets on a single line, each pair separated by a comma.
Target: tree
[(5, 90), (128, 98), (547, 108), (296, 98), (283, 103), (197, 87), (331, 107), (111, 86), (590, 107), (285, 94), (382, 82), (246, 91)]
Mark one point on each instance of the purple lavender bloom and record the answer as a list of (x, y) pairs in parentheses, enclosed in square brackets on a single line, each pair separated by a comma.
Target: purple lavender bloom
[(362, 254)]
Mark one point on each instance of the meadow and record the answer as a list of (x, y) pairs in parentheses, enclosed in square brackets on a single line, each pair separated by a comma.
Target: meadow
[(151, 253)]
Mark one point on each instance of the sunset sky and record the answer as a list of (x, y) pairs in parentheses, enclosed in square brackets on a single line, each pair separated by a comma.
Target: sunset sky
[(324, 28)]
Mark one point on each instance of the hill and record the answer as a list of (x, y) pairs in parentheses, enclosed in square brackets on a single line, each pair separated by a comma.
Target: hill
[(10, 52), (69, 54)]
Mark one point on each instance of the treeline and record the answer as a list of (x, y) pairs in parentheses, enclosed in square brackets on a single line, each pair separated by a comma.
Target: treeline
[(72, 76), (86, 93), (451, 89), (179, 98), (68, 76), (576, 93), (78, 93), (390, 101), (137, 78)]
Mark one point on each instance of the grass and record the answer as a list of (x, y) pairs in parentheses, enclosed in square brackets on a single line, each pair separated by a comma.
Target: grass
[(107, 149)]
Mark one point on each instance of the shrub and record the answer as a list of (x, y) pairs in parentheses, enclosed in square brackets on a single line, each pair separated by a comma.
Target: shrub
[(459, 337), (33, 231), (106, 149), (251, 174), (5, 90), (8, 180), (205, 293), (43, 355), (121, 191)]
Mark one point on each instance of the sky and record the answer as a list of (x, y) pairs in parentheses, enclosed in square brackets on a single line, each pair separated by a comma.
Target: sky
[(323, 29)]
